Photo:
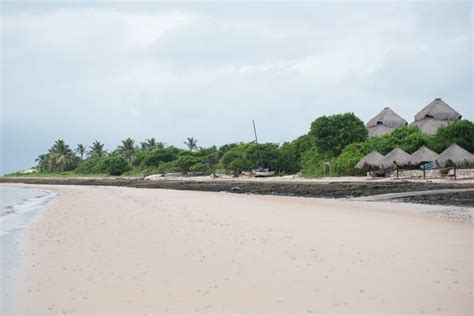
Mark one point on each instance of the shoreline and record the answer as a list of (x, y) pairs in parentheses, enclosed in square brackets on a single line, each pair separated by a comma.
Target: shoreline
[(203, 252), (325, 188), (29, 210)]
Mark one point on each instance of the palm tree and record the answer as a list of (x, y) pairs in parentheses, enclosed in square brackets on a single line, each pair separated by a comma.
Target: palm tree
[(127, 149), (151, 144), (191, 143), (81, 150), (97, 150), (60, 156), (42, 161)]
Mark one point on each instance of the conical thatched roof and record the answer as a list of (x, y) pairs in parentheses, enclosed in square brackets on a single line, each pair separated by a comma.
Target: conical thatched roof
[(455, 155), (388, 118), (438, 110), (430, 126), (371, 160), (378, 130), (424, 154), (397, 157)]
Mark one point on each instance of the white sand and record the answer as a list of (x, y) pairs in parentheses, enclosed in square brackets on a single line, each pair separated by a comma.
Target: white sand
[(108, 250)]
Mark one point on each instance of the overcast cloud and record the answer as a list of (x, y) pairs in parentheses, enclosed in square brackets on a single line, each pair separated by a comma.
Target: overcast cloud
[(109, 71)]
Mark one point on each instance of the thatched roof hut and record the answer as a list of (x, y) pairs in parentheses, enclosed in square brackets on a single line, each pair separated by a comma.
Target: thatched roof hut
[(423, 154), (371, 160), (438, 110), (430, 126), (455, 155), (435, 115), (384, 122), (394, 159), (379, 130)]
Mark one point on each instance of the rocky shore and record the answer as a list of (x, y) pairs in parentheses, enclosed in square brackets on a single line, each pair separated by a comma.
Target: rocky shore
[(291, 187)]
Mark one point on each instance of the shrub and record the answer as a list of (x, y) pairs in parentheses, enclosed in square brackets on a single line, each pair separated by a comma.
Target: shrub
[(153, 158), (460, 133), (199, 168), (185, 162), (345, 163), (312, 163), (116, 165), (91, 166)]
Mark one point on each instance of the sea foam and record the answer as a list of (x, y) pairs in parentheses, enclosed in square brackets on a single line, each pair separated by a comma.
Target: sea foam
[(19, 205)]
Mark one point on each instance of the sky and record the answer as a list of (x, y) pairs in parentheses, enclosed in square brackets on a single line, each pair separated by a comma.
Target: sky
[(104, 70)]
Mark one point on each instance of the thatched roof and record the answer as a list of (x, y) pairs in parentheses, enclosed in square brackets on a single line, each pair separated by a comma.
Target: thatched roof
[(396, 157), (430, 126), (378, 130), (371, 160), (455, 155), (438, 110), (423, 154), (388, 118)]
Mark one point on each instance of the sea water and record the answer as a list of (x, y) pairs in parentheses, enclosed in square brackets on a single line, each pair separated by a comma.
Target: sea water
[(19, 205), (18, 208)]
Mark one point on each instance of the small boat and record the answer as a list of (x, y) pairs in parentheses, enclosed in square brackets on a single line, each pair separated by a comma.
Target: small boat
[(260, 171), (263, 172)]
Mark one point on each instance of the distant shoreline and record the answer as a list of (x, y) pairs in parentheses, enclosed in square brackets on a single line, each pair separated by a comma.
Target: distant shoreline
[(331, 188)]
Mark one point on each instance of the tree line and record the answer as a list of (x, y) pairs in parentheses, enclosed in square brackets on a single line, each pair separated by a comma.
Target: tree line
[(340, 140)]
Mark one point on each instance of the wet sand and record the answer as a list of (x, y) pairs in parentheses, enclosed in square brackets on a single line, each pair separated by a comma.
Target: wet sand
[(115, 250)]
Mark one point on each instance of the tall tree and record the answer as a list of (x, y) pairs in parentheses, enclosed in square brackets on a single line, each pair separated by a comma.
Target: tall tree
[(191, 143), (81, 150), (332, 133), (43, 162), (97, 150), (152, 144), (127, 149), (60, 156)]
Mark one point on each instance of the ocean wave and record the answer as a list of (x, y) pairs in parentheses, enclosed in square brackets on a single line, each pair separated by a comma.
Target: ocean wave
[(18, 211)]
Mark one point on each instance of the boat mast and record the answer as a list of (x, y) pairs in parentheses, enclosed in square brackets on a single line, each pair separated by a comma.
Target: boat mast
[(258, 147)]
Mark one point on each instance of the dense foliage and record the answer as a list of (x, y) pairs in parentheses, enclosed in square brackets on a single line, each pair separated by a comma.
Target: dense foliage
[(333, 146), (332, 133)]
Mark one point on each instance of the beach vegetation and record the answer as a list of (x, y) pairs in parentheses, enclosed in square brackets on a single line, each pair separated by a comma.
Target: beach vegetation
[(59, 158), (81, 150), (116, 165), (459, 132), (186, 161), (152, 144), (332, 146), (97, 150), (127, 149), (191, 143), (332, 133)]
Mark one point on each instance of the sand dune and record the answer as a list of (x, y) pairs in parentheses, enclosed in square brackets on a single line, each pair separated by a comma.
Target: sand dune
[(109, 250)]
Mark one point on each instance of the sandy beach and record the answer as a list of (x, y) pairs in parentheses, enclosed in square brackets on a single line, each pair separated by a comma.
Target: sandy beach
[(130, 251)]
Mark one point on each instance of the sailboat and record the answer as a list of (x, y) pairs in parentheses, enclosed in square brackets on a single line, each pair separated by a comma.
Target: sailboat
[(260, 171)]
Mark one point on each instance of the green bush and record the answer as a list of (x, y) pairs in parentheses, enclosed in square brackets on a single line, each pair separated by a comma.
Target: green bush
[(234, 159), (153, 158), (199, 168), (116, 165), (312, 163), (460, 133), (185, 162), (91, 166), (344, 164)]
